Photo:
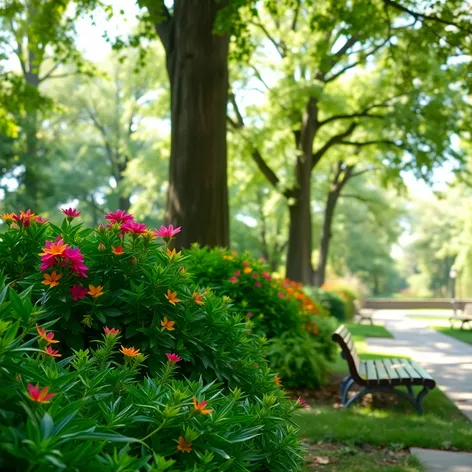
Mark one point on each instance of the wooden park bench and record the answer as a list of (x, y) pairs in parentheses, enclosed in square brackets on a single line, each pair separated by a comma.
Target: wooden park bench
[(464, 317), (380, 376), (363, 313)]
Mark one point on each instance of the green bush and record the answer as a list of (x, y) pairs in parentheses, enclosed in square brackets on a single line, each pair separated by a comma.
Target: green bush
[(95, 411), (347, 294), (120, 277), (331, 301), (278, 309)]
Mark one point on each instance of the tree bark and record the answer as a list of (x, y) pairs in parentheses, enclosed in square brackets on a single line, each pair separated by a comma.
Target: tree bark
[(331, 201), (197, 62)]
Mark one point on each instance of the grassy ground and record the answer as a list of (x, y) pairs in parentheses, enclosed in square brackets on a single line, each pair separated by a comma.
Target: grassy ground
[(441, 323), (367, 438)]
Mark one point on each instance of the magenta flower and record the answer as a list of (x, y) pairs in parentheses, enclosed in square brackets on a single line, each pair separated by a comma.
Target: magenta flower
[(233, 279), (167, 232), (266, 275), (78, 292), (71, 212), (120, 216), (255, 276), (249, 314), (258, 284), (302, 402), (281, 295), (173, 358), (24, 217), (41, 220), (237, 273), (133, 227), (76, 259)]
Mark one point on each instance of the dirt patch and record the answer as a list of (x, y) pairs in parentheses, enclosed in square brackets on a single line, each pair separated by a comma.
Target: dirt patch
[(328, 395)]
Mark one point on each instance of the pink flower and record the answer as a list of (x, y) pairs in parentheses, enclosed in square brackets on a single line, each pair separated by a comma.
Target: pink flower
[(111, 331), (41, 220), (24, 218), (281, 295), (76, 259), (52, 251), (258, 284), (256, 276), (40, 396), (120, 216), (237, 273), (167, 232), (71, 212), (262, 259), (78, 292), (302, 402), (133, 227), (173, 358), (246, 263), (233, 279), (249, 314), (266, 275)]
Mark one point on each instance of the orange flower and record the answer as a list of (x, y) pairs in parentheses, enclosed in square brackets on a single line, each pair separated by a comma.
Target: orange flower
[(247, 270), (40, 396), (55, 248), (198, 298), (51, 279), (173, 253), (8, 217), (277, 380), (172, 297), (95, 291), (184, 446), (130, 351), (166, 324), (201, 406), (51, 352), (117, 250), (48, 337)]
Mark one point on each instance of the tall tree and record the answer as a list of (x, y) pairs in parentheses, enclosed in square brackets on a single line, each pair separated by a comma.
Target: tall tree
[(302, 58)]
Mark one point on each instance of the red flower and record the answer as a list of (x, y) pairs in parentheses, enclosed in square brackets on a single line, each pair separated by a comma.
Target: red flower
[(71, 212), (237, 273), (173, 358), (133, 227), (233, 279), (200, 406), (117, 250), (167, 232), (302, 402), (111, 331), (78, 292), (48, 337), (119, 216), (281, 295), (249, 314), (40, 396), (41, 220), (76, 259), (51, 352), (258, 284), (266, 275), (25, 218)]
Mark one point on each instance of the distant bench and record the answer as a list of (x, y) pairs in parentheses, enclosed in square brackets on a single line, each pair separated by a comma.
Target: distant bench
[(380, 376), (363, 313), (465, 317)]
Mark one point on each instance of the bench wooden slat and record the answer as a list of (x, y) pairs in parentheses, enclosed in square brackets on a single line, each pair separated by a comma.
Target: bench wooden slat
[(410, 369), (397, 364), (382, 372), (392, 371), (363, 370), (371, 372), (421, 372)]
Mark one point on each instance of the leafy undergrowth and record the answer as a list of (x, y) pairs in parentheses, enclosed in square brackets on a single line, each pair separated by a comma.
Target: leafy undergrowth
[(329, 457)]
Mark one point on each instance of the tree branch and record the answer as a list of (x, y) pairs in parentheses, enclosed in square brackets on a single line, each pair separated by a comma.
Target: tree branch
[(295, 15), (338, 138), (361, 114), (278, 45), (357, 197), (163, 20), (369, 143), (51, 71), (423, 16)]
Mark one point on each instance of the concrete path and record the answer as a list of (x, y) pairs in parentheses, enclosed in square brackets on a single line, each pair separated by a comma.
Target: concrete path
[(448, 360), (443, 461)]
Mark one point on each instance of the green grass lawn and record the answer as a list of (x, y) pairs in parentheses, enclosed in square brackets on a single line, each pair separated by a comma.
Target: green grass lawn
[(464, 335), (393, 427)]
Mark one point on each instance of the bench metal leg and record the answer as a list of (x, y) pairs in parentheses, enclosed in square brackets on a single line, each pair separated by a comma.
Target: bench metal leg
[(343, 384), (346, 389), (416, 402)]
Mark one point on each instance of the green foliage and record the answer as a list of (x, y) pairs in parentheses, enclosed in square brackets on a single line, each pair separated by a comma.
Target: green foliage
[(279, 310), (331, 301), (95, 411)]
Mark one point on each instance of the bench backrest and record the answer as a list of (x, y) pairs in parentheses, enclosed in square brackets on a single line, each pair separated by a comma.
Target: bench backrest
[(344, 338)]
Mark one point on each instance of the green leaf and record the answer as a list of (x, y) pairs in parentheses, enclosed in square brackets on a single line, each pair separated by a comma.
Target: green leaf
[(47, 425)]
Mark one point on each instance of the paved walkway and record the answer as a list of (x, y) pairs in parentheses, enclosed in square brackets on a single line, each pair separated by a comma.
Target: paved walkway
[(443, 461), (448, 360)]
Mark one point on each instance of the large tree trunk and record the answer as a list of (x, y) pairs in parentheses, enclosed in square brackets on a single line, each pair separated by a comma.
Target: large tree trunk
[(320, 273), (197, 63)]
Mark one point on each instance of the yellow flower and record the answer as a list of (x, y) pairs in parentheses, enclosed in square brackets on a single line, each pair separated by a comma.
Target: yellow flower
[(247, 270), (200, 406), (95, 291), (8, 216), (130, 351), (51, 279), (166, 324), (184, 446), (228, 258), (173, 254), (172, 297)]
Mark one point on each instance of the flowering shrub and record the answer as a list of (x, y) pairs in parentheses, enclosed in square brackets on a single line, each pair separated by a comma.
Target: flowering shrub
[(276, 309), (124, 276), (346, 293), (95, 411), (331, 301)]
